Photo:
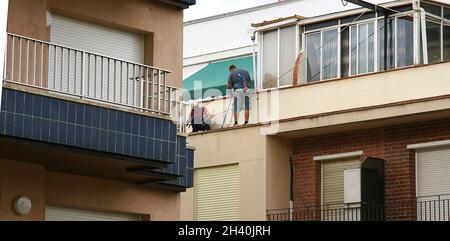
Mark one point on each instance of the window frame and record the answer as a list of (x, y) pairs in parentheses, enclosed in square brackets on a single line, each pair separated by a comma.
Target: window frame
[(298, 47)]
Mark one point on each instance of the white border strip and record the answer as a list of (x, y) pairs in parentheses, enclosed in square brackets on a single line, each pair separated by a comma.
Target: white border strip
[(429, 144), (338, 156)]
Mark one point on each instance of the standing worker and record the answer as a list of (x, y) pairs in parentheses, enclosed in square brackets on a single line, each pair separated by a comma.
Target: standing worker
[(239, 80)]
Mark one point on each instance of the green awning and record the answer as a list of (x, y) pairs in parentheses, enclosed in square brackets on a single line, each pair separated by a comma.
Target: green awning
[(215, 76)]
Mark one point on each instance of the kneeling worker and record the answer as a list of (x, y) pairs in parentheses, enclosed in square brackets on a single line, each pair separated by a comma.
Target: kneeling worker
[(200, 118), (239, 80)]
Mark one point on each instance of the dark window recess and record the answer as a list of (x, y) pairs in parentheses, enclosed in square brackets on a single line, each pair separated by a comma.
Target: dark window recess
[(447, 13), (353, 17), (404, 8), (320, 25), (431, 8), (434, 42), (345, 52), (446, 38), (389, 58)]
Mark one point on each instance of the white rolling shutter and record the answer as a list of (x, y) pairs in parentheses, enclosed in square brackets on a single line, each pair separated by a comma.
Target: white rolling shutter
[(217, 193), (433, 171), (433, 184), (97, 39), (333, 190), (70, 214), (112, 42)]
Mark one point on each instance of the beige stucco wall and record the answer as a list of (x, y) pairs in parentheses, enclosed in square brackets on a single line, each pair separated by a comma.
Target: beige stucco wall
[(337, 95), (53, 188), (261, 160), (246, 147), (278, 152), (161, 24)]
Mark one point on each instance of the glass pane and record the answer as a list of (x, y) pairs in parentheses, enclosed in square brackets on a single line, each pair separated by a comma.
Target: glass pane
[(354, 49), (371, 47), (313, 53), (330, 54), (434, 42), (270, 59), (363, 49), (345, 45), (390, 44), (446, 42), (287, 54), (405, 44)]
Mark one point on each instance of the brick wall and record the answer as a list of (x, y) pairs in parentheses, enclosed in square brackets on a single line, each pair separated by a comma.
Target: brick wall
[(388, 143)]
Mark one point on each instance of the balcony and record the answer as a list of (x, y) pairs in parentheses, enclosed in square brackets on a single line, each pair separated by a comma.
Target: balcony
[(430, 208), (86, 75), (84, 113)]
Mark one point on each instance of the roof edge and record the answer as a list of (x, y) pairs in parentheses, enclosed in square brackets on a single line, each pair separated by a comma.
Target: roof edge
[(237, 12)]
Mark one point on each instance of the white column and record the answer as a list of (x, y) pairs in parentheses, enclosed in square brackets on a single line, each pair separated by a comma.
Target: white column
[(3, 19)]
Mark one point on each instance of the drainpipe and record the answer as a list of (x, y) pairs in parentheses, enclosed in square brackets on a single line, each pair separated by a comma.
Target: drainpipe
[(253, 37), (291, 202), (3, 36), (423, 30)]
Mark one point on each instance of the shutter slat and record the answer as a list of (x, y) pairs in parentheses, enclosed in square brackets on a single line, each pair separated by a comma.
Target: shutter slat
[(217, 193)]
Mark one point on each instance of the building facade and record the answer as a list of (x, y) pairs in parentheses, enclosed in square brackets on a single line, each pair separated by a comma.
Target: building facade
[(88, 126), (342, 128)]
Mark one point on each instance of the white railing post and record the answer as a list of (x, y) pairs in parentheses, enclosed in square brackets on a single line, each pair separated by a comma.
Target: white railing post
[(82, 75)]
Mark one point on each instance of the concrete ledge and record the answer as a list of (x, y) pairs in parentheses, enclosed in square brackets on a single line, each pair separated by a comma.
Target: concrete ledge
[(429, 145), (338, 156)]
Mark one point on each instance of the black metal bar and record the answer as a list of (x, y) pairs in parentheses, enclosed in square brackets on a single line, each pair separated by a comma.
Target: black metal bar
[(373, 7)]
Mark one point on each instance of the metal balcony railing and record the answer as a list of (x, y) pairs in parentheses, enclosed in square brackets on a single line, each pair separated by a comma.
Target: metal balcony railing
[(429, 208), (74, 72)]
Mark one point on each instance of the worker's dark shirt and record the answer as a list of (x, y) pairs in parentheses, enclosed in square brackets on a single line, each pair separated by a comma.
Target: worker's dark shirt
[(237, 78)]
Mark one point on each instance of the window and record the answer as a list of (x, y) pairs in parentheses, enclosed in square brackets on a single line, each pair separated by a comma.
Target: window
[(279, 55), (345, 50), (313, 53), (322, 51), (386, 55), (362, 48), (433, 42), (270, 59), (405, 41), (446, 39), (287, 54)]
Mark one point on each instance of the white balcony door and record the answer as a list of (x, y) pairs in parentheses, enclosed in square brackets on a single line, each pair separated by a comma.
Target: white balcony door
[(99, 70)]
